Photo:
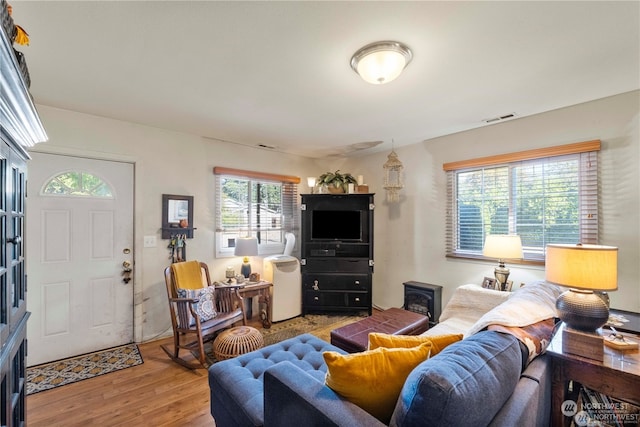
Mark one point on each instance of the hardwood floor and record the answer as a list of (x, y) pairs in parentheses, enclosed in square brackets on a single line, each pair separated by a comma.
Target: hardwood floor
[(157, 393)]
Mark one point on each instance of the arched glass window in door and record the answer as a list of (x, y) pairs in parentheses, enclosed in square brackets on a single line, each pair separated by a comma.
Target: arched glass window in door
[(80, 184)]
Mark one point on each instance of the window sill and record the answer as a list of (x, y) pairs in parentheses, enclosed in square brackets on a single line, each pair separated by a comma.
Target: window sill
[(538, 262)]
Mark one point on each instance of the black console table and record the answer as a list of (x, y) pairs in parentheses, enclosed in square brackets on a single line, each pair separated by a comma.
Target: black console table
[(423, 298)]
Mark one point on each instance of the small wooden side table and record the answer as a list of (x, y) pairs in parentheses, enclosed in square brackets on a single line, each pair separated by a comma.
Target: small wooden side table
[(262, 290), (617, 376)]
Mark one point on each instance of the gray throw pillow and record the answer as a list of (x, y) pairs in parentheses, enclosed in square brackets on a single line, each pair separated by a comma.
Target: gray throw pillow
[(464, 385)]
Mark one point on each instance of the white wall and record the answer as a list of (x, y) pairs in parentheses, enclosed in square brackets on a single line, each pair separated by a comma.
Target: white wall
[(409, 235), (165, 163)]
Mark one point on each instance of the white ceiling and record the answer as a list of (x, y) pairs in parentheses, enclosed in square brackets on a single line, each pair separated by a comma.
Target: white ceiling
[(278, 74)]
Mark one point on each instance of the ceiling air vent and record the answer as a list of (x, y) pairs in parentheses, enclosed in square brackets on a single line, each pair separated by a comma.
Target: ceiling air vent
[(500, 118)]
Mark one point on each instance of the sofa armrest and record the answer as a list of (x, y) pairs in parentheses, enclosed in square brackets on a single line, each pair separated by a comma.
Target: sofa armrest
[(293, 397), (530, 403)]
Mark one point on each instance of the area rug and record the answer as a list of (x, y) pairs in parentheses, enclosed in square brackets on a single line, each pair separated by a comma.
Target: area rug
[(319, 325), (55, 374)]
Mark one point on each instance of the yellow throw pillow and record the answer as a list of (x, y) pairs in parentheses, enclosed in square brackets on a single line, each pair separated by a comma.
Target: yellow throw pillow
[(437, 342), (373, 379)]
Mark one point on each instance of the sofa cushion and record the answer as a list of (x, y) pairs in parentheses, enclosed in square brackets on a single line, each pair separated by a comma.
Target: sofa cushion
[(436, 342), (236, 385), (373, 379), (294, 398), (465, 385)]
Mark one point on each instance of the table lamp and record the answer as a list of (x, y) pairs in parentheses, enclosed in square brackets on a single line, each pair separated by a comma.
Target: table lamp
[(583, 269), (246, 247), (311, 182), (502, 246)]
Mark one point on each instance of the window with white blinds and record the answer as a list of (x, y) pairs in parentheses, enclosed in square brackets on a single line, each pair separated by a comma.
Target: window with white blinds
[(253, 204), (543, 198)]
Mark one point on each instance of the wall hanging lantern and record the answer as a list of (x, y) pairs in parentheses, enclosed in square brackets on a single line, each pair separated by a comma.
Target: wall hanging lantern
[(381, 62), (393, 176)]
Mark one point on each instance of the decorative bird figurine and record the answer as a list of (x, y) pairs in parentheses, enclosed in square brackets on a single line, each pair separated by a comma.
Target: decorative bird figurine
[(22, 37)]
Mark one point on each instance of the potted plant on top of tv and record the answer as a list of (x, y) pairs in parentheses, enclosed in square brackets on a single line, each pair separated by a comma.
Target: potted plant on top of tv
[(336, 182)]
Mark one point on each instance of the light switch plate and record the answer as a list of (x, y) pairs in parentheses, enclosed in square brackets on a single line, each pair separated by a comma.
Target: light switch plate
[(150, 242)]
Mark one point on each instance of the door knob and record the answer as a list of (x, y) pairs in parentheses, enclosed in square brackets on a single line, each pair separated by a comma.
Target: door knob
[(126, 271), (15, 240)]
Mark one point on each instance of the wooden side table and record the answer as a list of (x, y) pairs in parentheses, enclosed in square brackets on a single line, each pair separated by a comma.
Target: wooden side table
[(262, 290), (617, 376)]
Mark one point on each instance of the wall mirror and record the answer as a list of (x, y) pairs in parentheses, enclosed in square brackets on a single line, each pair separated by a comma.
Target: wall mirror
[(177, 215)]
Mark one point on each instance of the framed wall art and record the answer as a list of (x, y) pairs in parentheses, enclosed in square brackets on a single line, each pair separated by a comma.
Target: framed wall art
[(489, 283), (177, 215)]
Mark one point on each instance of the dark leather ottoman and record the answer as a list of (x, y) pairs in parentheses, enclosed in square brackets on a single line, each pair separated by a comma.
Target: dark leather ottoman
[(396, 321)]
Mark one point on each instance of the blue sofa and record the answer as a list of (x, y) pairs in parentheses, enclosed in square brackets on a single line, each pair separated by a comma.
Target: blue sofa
[(237, 386), (485, 379)]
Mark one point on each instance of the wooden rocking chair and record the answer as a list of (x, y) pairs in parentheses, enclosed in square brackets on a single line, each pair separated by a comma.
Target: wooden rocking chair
[(189, 331)]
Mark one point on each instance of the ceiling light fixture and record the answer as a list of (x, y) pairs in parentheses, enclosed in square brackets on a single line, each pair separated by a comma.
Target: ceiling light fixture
[(381, 62)]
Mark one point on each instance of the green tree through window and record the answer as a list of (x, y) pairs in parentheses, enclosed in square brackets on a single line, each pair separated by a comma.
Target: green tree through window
[(80, 184), (545, 200), (253, 207)]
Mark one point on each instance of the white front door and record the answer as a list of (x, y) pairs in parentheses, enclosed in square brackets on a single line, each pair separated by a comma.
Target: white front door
[(79, 234)]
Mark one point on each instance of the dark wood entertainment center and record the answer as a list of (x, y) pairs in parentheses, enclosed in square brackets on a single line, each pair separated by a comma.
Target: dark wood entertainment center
[(20, 128), (337, 252)]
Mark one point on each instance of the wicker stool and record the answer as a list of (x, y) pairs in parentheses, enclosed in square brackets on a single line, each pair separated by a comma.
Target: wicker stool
[(236, 341)]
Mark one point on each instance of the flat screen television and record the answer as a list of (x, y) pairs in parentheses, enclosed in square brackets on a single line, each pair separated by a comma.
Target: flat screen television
[(336, 225)]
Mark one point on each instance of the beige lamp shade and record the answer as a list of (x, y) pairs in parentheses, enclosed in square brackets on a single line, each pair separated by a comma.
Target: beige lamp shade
[(502, 246), (246, 246), (588, 267)]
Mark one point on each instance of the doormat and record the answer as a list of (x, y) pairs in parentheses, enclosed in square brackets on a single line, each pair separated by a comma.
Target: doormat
[(66, 371)]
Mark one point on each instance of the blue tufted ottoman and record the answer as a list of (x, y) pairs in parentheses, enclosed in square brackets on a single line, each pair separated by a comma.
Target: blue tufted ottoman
[(236, 385)]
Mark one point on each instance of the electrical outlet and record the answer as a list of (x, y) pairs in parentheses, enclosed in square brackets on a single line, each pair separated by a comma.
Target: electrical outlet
[(150, 241)]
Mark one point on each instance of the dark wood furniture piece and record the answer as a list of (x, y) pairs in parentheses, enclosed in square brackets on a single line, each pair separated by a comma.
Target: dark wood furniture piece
[(632, 324), (423, 298), (337, 252), (617, 376), (21, 128), (262, 290), (396, 321), (229, 308)]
